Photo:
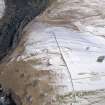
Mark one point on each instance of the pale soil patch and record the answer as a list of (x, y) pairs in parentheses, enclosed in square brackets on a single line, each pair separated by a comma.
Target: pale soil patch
[(30, 84)]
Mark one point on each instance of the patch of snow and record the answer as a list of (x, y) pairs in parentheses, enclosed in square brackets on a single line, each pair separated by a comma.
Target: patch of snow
[(80, 52)]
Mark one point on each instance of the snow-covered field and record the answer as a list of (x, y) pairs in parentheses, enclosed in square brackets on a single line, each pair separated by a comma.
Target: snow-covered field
[(77, 60), (80, 51), (68, 41)]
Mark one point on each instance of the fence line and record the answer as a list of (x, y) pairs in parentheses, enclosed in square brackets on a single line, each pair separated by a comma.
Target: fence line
[(66, 64)]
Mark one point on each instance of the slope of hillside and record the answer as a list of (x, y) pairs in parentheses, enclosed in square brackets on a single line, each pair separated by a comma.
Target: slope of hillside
[(61, 57), (83, 15)]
